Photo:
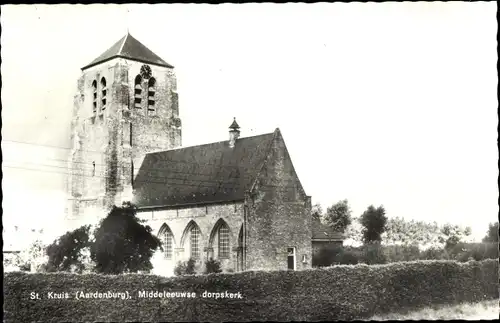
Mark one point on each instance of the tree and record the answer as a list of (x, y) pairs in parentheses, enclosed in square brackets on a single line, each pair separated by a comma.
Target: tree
[(66, 252), (317, 211), (122, 243), (354, 233), (374, 223), (492, 234), (338, 216), (32, 258), (411, 233), (451, 235)]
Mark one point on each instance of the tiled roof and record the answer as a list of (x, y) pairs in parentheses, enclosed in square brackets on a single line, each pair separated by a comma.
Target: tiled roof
[(201, 174), (130, 48), (322, 231)]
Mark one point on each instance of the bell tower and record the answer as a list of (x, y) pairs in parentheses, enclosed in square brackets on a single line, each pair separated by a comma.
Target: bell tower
[(126, 105)]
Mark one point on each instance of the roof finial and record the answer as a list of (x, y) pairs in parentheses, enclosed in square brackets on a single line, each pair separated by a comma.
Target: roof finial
[(234, 133), (128, 19), (234, 125)]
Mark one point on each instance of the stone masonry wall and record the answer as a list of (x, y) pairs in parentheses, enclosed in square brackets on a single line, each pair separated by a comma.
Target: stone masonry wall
[(278, 215), (107, 138), (206, 218)]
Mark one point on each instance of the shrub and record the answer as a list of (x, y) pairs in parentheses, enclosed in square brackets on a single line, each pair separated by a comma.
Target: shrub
[(476, 251), (185, 267), (397, 253), (335, 293), (32, 258), (65, 253), (337, 255), (212, 266), (373, 254), (327, 255), (349, 257), (435, 254), (122, 244)]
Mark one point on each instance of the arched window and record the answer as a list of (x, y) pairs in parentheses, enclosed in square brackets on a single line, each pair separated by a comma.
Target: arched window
[(103, 94), (94, 100), (219, 239), (167, 238), (195, 242), (223, 241), (151, 95), (138, 91)]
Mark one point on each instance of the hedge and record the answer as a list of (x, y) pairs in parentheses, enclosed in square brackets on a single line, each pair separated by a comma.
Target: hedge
[(373, 254), (334, 293)]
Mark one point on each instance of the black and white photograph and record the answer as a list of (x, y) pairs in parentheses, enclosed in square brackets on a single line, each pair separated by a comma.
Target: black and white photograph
[(250, 162)]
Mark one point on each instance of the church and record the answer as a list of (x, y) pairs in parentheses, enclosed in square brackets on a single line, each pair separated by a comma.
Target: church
[(238, 201)]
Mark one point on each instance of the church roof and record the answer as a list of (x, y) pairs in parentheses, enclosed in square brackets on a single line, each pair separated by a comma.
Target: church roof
[(130, 48), (201, 174), (322, 232)]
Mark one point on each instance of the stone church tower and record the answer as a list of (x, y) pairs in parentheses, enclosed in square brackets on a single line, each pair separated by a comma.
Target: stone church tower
[(126, 105)]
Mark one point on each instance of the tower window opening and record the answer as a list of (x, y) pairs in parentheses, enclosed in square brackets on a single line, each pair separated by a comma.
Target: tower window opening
[(94, 91), (103, 94), (138, 91), (151, 95)]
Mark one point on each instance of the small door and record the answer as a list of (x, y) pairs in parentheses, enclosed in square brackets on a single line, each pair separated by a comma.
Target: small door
[(291, 258)]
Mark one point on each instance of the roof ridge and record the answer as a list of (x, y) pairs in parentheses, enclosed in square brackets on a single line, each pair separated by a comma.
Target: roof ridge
[(210, 143)]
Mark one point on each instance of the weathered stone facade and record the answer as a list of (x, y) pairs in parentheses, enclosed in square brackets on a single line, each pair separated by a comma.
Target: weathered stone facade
[(278, 214), (111, 131), (238, 201), (208, 218)]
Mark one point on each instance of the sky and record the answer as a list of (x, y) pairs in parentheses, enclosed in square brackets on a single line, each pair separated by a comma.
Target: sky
[(389, 104)]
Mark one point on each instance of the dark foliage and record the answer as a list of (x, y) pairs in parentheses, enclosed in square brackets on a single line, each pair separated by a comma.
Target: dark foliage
[(212, 266), (65, 252), (122, 244), (185, 267), (373, 254), (338, 216), (327, 255), (380, 254), (335, 293), (373, 221), (492, 234)]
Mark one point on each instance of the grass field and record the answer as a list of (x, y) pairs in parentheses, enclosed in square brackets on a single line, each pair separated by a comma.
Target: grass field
[(487, 310)]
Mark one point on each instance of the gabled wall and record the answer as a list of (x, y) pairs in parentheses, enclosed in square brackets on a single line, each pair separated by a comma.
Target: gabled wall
[(278, 214)]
